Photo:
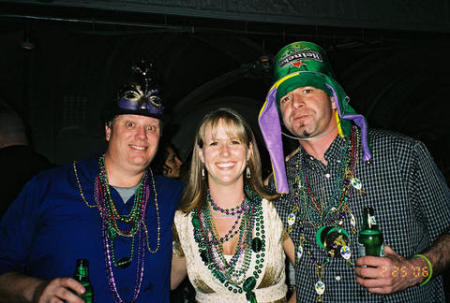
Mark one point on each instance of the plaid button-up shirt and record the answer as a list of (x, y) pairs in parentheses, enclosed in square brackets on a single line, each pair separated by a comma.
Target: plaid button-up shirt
[(412, 207)]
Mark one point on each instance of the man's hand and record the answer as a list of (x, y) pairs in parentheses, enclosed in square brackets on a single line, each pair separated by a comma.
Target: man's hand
[(58, 291), (391, 273)]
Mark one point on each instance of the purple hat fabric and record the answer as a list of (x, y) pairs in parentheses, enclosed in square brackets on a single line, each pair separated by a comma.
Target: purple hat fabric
[(303, 64)]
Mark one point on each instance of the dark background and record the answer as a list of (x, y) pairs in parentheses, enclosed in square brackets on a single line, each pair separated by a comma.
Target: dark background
[(62, 61)]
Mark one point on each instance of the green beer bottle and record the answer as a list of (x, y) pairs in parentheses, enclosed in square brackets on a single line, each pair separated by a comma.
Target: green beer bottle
[(370, 240), (82, 276)]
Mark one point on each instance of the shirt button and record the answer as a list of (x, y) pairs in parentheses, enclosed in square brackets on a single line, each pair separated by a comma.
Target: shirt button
[(338, 278), (311, 158), (327, 176)]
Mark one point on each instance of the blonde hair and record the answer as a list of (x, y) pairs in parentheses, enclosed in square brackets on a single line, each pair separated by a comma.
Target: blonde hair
[(194, 195)]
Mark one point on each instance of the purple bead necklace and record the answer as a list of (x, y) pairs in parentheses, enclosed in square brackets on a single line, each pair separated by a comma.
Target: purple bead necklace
[(238, 210), (109, 268)]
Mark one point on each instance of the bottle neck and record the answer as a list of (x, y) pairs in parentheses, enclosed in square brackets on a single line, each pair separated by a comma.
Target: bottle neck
[(369, 222), (82, 273)]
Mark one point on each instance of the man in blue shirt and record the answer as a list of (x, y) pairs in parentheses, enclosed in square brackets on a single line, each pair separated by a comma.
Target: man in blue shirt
[(109, 209)]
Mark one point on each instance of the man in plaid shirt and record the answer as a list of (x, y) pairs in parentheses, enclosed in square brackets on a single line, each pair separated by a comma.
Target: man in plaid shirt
[(340, 168)]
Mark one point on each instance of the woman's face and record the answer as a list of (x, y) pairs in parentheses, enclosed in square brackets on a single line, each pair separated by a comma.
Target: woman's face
[(172, 163), (225, 156)]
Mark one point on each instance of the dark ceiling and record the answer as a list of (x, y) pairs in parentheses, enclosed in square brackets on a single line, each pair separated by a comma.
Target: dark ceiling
[(76, 57)]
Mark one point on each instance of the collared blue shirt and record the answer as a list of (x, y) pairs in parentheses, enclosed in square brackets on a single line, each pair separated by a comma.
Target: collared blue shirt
[(49, 227)]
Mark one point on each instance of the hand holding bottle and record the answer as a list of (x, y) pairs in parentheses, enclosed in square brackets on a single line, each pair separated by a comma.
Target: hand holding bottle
[(70, 290), (391, 273), (60, 288), (383, 275)]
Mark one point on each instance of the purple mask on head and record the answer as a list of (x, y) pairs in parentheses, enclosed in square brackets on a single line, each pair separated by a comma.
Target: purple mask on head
[(141, 95), (133, 99)]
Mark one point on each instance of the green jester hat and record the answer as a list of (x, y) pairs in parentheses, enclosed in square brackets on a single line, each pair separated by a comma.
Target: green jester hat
[(303, 64)]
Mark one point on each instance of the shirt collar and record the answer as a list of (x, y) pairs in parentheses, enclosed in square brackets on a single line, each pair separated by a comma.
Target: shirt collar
[(333, 153)]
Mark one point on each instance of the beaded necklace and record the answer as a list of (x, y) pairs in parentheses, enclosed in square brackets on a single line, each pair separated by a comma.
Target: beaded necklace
[(235, 212), (326, 219), (218, 215), (110, 228), (233, 273), (111, 216), (108, 251), (227, 211)]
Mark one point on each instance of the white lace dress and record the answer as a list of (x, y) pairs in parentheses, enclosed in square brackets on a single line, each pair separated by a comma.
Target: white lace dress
[(270, 286)]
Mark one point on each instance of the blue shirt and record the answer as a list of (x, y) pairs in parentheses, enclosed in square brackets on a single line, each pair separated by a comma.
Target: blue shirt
[(49, 227)]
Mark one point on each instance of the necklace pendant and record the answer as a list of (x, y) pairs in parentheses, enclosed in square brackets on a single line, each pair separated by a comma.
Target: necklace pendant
[(299, 253), (352, 220), (291, 219), (321, 234), (332, 240), (123, 262), (356, 183), (320, 288), (249, 284), (256, 244), (112, 234), (346, 252)]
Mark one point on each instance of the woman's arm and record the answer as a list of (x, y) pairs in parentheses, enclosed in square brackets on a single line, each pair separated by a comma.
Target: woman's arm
[(289, 250), (178, 272)]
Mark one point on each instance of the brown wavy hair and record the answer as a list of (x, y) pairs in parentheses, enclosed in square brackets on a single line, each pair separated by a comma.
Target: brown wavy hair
[(194, 195)]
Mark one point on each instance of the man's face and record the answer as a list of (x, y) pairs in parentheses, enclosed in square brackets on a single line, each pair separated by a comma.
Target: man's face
[(307, 111), (133, 141)]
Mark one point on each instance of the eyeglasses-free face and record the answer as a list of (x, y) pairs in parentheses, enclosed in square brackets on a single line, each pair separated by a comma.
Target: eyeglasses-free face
[(133, 141)]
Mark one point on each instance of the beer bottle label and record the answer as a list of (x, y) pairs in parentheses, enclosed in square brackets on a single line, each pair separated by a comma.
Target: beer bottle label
[(372, 221), (361, 250)]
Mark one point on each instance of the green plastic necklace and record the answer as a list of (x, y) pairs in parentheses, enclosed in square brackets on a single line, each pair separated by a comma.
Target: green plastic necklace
[(233, 274), (326, 219)]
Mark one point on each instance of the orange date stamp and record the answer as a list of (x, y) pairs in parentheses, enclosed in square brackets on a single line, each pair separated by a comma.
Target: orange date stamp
[(405, 271)]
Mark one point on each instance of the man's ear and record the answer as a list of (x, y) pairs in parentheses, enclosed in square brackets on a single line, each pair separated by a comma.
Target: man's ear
[(333, 104), (107, 132)]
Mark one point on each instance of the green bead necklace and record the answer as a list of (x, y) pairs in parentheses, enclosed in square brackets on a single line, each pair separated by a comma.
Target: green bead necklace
[(111, 216), (326, 219), (232, 274)]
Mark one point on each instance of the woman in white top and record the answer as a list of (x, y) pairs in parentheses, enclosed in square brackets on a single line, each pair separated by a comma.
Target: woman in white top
[(231, 242)]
